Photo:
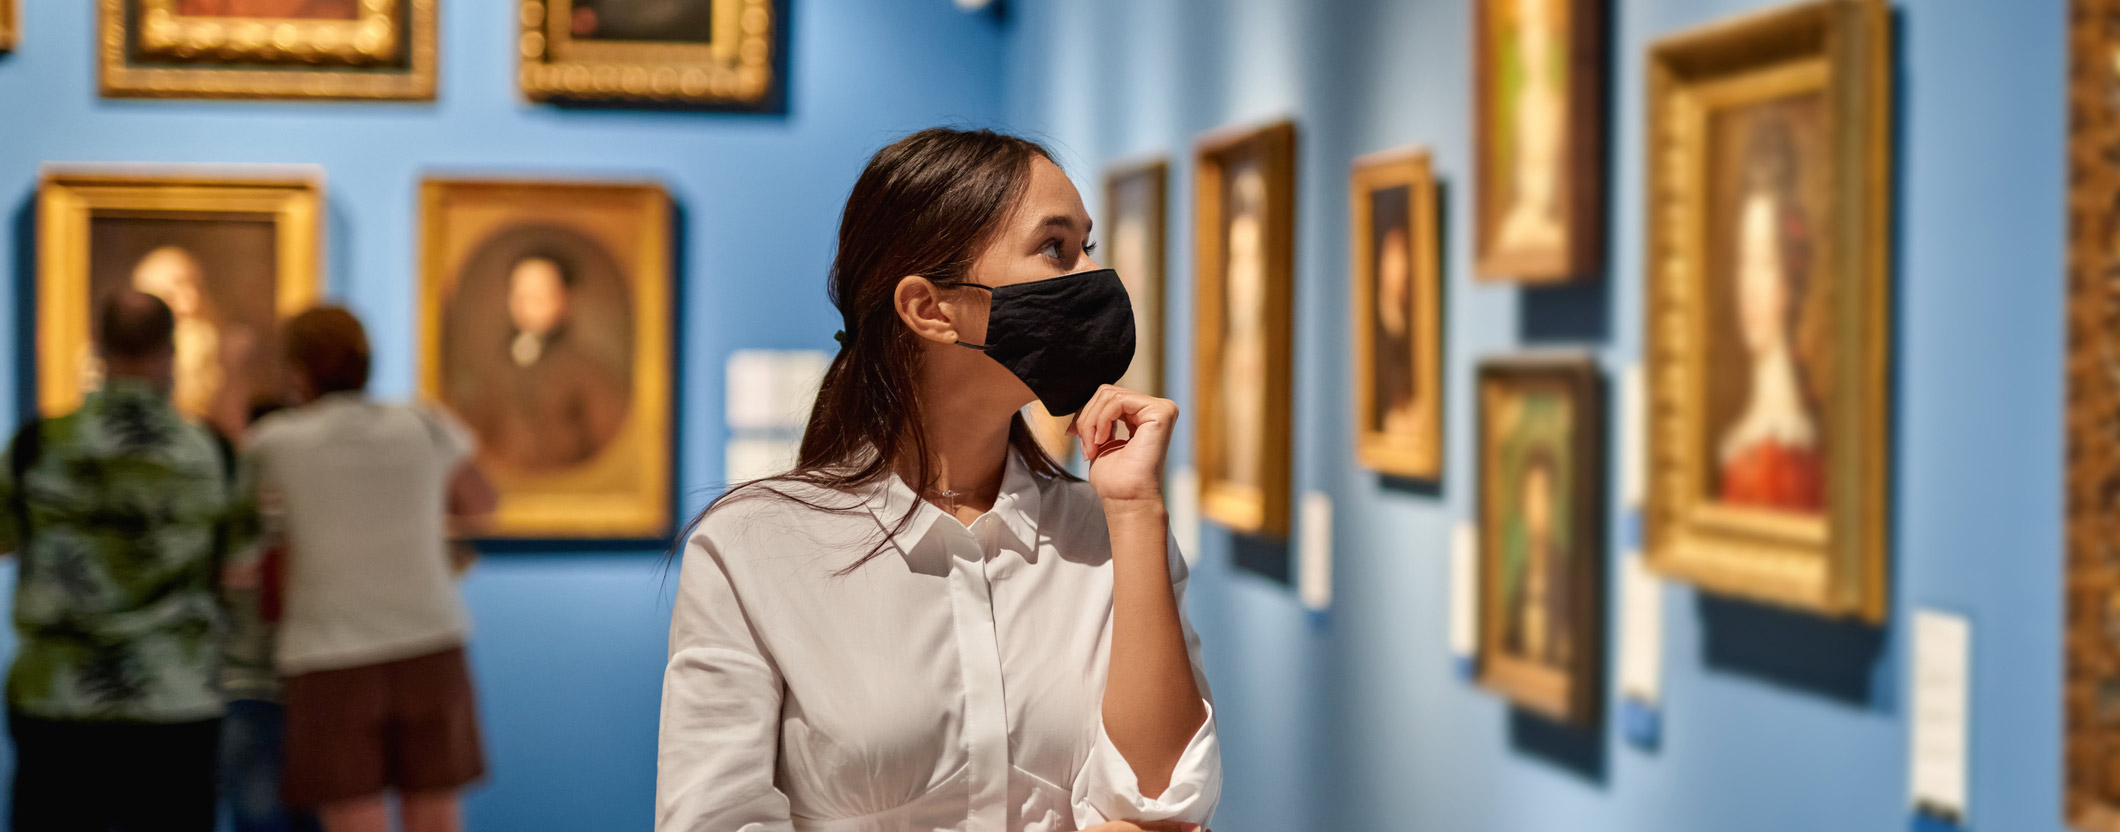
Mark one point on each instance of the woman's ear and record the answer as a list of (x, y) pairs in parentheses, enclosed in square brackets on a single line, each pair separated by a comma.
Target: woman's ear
[(921, 306)]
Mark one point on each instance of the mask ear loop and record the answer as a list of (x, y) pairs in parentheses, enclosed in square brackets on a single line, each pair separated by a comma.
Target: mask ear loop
[(970, 285)]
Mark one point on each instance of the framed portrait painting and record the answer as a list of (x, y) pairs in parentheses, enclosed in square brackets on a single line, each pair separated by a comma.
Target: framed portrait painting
[(725, 54), (1397, 315), (2091, 692), (1769, 293), (1541, 501), (1244, 239), (355, 49), (546, 329), (232, 251), (1539, 93)]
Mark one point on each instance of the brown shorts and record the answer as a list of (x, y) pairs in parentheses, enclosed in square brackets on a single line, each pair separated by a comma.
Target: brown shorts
[(409, 725)]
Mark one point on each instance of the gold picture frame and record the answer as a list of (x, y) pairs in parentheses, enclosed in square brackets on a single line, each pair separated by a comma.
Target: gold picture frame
[(372, 35), (572, 413), (98, 228), (1244, 232), (1398, 376), (738, 65), (1541, 628), (2091, 582), (1540, 172), (1769, 302), (10, 24), (387, 51)]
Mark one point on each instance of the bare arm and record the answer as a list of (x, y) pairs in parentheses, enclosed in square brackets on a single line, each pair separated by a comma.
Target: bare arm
[(472, 500), (1152, 706)]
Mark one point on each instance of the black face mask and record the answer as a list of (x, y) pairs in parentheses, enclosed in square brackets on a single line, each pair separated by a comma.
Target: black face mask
[(1063, 336)]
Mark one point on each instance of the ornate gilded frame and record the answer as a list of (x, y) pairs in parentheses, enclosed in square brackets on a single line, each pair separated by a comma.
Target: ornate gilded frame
[(580, 503), (740, 68), (1419, 453), (1565, 694), (1583, 167), (68, 200), (1264, 509), (148, 51), (1834, 565), (372, 37), (2091, 790)]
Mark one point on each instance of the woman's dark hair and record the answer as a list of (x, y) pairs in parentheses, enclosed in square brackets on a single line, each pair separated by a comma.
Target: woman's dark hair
[(927, 205)]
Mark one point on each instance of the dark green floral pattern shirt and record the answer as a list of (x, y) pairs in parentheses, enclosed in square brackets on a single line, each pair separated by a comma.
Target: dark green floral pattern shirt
[(131, 512)]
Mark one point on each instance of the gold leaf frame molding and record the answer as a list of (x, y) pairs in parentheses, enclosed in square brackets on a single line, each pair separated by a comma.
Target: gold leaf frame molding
[(1832, 563), (388, 51), (2091, 581), (740, 68)]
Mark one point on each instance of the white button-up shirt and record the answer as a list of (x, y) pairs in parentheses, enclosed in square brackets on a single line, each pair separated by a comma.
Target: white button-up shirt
[(953, 683)]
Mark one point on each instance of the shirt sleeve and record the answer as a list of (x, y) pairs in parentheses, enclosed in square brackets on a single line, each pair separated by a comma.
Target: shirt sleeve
[(451, 438), (720, 732), (1106, 789)]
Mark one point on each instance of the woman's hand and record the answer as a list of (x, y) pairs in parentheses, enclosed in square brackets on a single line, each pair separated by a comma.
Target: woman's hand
[(1146, 826), (1126, 471)]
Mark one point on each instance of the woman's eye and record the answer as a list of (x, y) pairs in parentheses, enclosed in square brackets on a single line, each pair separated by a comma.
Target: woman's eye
[(1089, 247), (1051, 249)]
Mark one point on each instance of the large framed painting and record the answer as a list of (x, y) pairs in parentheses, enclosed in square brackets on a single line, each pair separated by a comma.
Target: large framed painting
[(546, 329), (356, 49), (1398, 339), (2092, 589), (1244, 251), (712, 53), (1769, 297), (232, 251), (1541, 504), (1539, 92)]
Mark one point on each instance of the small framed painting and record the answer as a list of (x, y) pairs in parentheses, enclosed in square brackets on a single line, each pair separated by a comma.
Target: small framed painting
[(1397, 315), (231, 250), (358, 49), (546, 329), (1768, 359), (1539, 89), (686, 53), (1244, 238), (1541, 574)]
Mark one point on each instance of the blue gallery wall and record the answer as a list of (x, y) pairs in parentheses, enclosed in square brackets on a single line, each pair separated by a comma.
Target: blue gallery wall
[(569, 647), (1771, 721)]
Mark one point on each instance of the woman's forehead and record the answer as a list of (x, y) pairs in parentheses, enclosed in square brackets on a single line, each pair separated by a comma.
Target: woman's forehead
[(1048, 194)]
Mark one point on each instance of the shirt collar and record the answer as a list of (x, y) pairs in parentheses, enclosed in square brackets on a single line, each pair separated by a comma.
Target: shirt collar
[(1016, 507), (127, 387)]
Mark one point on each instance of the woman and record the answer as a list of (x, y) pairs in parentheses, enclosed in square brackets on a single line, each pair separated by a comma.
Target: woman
[(928, 624), (1770, 456)]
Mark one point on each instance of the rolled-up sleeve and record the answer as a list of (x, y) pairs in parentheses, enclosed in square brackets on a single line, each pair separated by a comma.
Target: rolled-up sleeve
[(1106, 789), (720, 710)]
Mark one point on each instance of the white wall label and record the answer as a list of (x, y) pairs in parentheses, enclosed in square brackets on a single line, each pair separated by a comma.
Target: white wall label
[(1942, 676), (1314, 557), (1464, 591), (1183, 499), (1641, 631)]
